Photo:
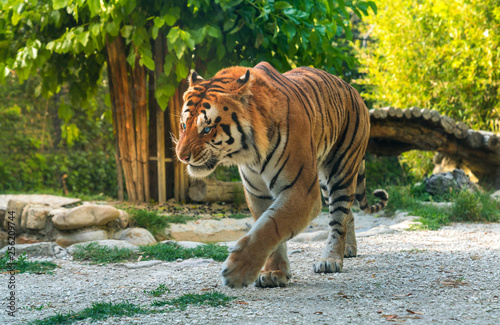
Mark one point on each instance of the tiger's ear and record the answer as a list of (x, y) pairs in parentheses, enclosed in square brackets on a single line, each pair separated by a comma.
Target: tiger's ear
[(244, 78), (194, 79), (244, 82)]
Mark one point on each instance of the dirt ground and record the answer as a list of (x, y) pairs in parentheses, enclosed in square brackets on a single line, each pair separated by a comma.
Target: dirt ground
[(422, 277)]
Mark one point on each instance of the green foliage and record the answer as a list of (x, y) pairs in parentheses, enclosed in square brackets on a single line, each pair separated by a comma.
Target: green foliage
[(34, 156), (97, 311), (238, 216), (475, 207), (22, 265), (418, 164), (65, 40), (160, 290), (439, 55), (466, 206), (226, 173), (383, 171), (172, 252), (214, 299), (98, 254)]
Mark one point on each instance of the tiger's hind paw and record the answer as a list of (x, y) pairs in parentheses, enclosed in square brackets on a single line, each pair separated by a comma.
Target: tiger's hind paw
[(327, 265), (271, 279), (350, 251)]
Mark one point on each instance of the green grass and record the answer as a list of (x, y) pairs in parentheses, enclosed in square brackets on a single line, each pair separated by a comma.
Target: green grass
[(172, 252), (238, 216), (22, 265), (466, 206), (98, 254), (161, 289), (214, 299), (103, 310), (97, 311), (155, 222)]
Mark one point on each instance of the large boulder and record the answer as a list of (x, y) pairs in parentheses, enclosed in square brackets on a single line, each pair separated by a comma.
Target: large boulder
[(85, 216), (34, 217), (13, 214), (68, 239), (121, 222), (443, 183), (138, 236)]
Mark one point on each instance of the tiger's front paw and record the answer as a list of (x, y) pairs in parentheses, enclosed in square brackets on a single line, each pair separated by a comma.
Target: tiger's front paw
[(328, 265), (242, 266), (271, 279)]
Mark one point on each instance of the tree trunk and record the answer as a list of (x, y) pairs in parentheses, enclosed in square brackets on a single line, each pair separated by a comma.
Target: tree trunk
[(128, 96)]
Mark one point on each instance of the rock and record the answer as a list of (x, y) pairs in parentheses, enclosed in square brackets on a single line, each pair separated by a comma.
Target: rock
[(311, 236), (142, 264), (34, 217), (183, 244), (379, 230), (38, 249), (86, 216), (443, 183), (444, 164), (295, 251), (2, 216), (193, 262), (121, 222), (228, 244), (124, 219), (211, 230), (138, 236), (441, 205), (110, 243), (68, 239), (3, 239), (27, 240), (496, 195), (405, 223), (14, 218), (60, 252)]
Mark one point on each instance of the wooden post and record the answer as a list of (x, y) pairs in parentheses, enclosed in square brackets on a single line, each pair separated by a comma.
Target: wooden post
[(124, 119), (141, 127), (180, 175), (160, 124)]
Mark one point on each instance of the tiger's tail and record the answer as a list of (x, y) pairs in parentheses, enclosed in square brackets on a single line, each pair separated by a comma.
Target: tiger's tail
[(361, 194)]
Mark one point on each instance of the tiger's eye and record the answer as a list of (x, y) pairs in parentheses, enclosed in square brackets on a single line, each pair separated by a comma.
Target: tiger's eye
[(207, 129)]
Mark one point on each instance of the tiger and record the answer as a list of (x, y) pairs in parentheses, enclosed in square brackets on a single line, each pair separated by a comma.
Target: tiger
[(294, 137)]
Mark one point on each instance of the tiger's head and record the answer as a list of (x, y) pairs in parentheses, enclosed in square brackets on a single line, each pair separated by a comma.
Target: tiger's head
[(215, 126)]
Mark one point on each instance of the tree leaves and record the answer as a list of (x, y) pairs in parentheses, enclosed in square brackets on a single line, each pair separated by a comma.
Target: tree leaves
[(436, 55), (202, 35)]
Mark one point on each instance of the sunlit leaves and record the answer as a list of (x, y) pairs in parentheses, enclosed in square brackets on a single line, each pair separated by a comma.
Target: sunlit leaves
[(439, 55)]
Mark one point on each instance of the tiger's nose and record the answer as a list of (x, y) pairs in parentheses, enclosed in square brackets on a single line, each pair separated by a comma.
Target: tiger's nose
[(185, 158)]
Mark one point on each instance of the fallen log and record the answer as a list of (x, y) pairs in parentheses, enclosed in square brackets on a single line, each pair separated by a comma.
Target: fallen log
[(423, 129), (211, 190)]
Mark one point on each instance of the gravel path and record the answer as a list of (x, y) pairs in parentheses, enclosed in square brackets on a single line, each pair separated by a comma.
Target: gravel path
[(446, 276)]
